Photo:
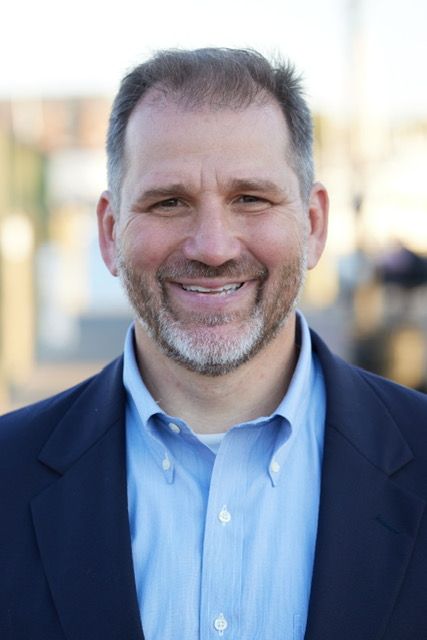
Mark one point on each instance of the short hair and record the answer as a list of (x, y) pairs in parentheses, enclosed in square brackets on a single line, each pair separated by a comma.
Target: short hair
[(220, 78)]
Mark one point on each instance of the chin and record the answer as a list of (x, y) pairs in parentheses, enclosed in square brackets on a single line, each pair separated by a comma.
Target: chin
[(214, 350)]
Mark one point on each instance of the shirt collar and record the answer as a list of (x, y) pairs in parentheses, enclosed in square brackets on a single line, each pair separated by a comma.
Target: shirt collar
[(134, 384), (294, 404), (143, 408), (295, 400)]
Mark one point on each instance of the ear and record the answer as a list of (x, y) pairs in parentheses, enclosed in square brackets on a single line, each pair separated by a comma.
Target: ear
[(107, 231), (318, 223)]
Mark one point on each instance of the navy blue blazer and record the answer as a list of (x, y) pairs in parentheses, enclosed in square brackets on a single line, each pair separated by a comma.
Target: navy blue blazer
[(65, 553)]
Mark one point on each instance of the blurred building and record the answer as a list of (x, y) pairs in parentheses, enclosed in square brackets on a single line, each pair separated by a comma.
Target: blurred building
[(374, 172), (61, 316)]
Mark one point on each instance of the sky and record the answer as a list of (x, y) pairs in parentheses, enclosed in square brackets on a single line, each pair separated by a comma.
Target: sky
[(57, 48)]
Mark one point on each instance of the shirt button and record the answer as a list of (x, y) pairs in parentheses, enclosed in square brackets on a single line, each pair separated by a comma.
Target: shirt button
[(224, 515), (166, 464), (220, 624), (275, 467), (174, 427)]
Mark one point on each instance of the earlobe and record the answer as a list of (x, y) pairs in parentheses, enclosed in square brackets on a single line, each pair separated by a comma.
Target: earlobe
[(107, 222), (318, 221)]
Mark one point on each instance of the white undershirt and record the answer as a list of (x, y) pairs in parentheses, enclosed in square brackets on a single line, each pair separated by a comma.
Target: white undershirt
[(211, 440)]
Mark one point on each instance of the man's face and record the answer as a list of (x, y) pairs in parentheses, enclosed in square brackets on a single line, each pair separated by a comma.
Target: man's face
[(212, 239)]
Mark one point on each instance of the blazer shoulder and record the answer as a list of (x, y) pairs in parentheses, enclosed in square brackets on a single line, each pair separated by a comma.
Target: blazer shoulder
[(357, 392), (35, 421), (392, 391), (407, 406), (39, 417), (387, 390)]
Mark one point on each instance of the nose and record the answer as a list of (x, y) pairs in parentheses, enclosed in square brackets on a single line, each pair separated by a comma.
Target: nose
[(213, 239)]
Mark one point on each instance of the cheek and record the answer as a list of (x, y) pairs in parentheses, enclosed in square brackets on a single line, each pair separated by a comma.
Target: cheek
[(146, 248), (276, 245)]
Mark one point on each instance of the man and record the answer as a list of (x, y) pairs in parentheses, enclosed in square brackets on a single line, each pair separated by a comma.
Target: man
[(229, 477)]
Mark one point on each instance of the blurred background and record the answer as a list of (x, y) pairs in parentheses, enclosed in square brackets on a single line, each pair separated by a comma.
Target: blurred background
[(62, 316)]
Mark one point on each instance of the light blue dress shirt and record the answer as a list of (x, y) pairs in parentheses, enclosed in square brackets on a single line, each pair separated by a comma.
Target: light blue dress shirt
[(223, 545)]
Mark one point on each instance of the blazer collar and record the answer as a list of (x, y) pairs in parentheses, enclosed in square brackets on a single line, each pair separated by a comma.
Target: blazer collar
[(368, 523), (81, 519)]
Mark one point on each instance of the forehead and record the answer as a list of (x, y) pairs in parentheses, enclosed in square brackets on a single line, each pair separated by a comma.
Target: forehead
[(157, 115), (164, 137)]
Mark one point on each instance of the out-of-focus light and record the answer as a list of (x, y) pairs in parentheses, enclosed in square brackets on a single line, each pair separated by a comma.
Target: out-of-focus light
[(16, 238)]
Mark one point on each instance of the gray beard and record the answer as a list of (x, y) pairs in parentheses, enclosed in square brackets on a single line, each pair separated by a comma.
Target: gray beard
[(192, 343)]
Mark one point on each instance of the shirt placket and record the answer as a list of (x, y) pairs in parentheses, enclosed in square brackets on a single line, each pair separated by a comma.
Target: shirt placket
[(222, 556)]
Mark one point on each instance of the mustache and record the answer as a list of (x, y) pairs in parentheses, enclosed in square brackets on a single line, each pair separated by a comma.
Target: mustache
[(245, 268)]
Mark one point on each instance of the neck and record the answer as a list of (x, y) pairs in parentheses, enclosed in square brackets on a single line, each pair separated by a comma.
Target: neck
[(214, 404)]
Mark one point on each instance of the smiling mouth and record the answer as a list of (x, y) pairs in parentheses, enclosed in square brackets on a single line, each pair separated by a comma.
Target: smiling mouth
[(226, 289)]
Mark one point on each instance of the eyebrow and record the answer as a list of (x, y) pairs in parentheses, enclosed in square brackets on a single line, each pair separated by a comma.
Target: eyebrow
[(254, 184), (179, 189)]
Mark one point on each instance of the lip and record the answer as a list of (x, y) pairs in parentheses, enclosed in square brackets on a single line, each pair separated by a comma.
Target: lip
[(209, 283), (209, 301)]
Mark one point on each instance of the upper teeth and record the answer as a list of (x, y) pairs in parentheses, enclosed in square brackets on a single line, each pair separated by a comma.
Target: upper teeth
[(225, 288)]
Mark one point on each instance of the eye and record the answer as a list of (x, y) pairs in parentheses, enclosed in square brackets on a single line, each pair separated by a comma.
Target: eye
[(169, 206), (250, 199), (251, 203), (170, 203)]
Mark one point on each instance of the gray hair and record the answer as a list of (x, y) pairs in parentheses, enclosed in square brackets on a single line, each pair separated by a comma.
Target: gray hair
[(218, 77)]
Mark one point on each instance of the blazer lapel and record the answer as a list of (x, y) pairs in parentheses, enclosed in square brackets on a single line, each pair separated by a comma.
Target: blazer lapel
[(81, 520), (367, 523)]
